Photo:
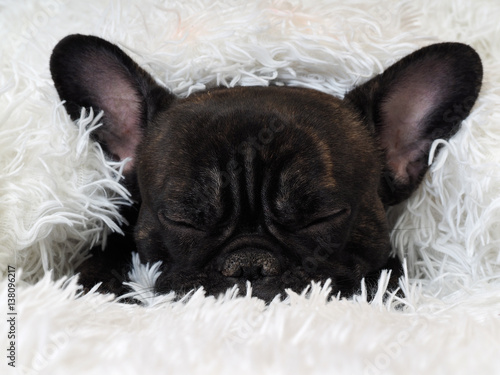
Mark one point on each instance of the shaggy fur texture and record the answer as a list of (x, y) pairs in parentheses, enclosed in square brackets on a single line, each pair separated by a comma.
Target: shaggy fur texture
[(58, 196)]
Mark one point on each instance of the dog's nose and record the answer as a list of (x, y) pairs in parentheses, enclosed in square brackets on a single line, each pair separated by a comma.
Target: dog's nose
[(251, 265)]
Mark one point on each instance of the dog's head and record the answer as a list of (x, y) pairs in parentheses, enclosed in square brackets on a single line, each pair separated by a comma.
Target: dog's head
[(274, 185)]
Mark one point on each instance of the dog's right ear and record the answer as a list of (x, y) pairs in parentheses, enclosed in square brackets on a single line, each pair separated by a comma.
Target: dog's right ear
[(91, 72)]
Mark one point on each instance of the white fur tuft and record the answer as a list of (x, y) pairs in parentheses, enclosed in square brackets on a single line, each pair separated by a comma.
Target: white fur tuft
[(59, 196)]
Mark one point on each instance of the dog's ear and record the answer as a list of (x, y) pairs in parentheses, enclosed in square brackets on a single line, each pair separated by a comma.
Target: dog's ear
[(89, 72), (422, 97)]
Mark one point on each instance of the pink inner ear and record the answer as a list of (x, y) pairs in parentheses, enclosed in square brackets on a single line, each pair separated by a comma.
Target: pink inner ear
[(122, 110), (412, 99)]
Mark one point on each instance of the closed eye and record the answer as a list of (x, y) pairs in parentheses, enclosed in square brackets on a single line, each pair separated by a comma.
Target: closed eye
[(332, 217), (175, 221)]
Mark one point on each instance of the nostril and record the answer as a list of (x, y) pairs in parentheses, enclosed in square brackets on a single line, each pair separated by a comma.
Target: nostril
[(232, 267), (251, 265), (270, 267)]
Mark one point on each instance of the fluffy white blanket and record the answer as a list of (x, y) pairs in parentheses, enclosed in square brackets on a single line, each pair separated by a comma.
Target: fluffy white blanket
[(58, 196)]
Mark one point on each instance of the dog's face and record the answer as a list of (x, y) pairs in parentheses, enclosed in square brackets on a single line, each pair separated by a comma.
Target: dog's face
[(278, 186), (260, 184)]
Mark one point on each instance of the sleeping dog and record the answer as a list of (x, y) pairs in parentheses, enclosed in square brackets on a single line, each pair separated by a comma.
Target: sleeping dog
[(279, 186)]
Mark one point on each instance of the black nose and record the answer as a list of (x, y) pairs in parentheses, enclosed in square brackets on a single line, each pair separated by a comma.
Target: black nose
[(251, 264)]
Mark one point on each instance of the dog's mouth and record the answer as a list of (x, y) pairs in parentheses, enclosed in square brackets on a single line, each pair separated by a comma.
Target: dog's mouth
[(268, 268), (265, 287)]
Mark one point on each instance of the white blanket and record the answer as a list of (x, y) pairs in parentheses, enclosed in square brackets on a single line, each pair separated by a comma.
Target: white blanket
[(58, 197)]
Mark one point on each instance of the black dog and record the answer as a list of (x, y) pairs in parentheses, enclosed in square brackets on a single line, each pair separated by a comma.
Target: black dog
[(276, 185)]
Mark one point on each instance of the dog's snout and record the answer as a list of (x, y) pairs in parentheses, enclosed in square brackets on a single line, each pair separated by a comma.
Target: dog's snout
[(251, 265)]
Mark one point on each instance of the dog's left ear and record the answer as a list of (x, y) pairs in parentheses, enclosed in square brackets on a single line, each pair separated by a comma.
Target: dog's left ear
[(423, 97)]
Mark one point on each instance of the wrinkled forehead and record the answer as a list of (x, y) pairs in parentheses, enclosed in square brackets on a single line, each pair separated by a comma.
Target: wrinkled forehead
[(213, 137)]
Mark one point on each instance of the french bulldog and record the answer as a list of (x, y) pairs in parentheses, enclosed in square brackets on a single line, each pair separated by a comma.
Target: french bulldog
[(279, 186)]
